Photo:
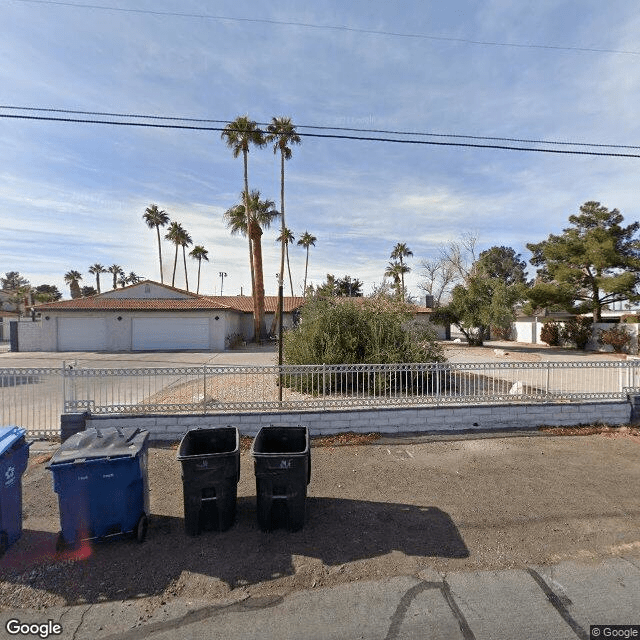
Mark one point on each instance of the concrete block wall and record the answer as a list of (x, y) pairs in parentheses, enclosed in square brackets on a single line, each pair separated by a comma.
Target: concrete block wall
[(386, 421)]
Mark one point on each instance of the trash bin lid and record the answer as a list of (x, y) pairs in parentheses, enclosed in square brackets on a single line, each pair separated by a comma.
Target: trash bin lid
[(110, 442), (9, 436)]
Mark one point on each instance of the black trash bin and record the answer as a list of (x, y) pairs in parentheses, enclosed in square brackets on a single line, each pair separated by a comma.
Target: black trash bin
[(210, 460), (282, 460)]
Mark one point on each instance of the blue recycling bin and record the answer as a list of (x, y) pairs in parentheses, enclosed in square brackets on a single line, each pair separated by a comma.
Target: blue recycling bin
[(14, 456), (101, 478)]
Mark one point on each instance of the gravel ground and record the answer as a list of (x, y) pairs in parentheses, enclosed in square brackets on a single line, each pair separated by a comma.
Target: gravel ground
[(381, 507)]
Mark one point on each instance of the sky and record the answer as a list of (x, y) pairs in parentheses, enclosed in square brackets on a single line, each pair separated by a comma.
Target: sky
[(73, 194)]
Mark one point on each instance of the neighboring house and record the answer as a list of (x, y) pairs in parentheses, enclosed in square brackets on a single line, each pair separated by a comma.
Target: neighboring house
[(147, 316)]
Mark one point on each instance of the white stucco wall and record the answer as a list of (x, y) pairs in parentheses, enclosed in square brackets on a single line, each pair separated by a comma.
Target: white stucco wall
[(43, 335)]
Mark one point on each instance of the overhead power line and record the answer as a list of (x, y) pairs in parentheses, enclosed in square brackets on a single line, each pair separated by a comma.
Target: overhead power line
[(309, 25), (323, 128), (194, 127)]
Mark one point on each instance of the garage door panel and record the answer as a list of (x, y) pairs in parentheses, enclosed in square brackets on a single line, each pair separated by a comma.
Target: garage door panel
[(82, 334), (170, 333)]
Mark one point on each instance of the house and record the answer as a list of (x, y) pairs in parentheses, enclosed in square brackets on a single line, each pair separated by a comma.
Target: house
[(147, 316)]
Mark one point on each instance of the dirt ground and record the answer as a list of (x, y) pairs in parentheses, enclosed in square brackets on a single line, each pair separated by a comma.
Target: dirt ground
[(383, 507)]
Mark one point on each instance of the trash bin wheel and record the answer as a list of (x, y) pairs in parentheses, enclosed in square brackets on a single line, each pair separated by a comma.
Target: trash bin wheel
[(4, 542), (141, 528)]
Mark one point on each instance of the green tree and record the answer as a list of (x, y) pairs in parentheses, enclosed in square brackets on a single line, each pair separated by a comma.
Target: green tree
[(595, 262), (199, 253), (401, 251), (367, 330), (156, 218), (133, 278), (478, 305), (239, 136), (72, 278), (13, 280), (345, 287), (47, 293), (307, 240), (236, 220), (88, 291), (116, 271), (97, 269), (502, 263), (288, 238), (396, 271)]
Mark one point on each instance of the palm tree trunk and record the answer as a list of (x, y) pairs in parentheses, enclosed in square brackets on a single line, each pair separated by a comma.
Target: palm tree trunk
[(199, 265), (289, 269), (256, 232), (184, 258), (98, 282), (160, 254), (306, 266), (175, 264), (247, 209)]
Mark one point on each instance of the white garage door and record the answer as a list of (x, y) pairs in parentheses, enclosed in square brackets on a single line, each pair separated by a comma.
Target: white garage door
[(170, 333), (82, 334)]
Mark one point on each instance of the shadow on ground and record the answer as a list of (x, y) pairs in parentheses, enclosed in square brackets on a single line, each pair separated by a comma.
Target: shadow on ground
[(336, 532)]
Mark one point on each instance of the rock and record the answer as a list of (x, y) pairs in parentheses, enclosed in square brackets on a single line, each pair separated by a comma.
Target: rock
[(517, 388)]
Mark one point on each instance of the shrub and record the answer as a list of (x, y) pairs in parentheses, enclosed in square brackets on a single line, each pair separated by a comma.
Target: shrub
[(360, 331), (503, 332), (234, 340), (550, 334), (630, 318), (577, 331), (618, 337)]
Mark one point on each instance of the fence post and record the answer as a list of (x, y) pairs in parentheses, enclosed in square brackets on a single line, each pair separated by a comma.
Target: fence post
[(546, 384), (324, 374), (204, 388)]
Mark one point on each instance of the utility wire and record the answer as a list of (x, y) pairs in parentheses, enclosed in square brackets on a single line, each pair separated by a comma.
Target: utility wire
[(323, 128), (194, 127), (308, 25)]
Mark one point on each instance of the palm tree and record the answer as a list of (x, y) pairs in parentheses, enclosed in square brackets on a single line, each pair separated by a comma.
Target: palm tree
[(116, 270), (199, 253), (288, 238), (236, 219), (307, 240), (133, 278), (283, 134), (174, 234), (239, 135), (72, 278), (185, 241), (157, 218), (399, 252), (97, 269)]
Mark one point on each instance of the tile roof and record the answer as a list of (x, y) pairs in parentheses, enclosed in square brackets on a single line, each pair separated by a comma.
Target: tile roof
[(199, 303)]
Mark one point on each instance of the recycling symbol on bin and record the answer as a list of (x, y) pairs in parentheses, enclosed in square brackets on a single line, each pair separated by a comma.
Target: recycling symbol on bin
[(9, 476), (285, 464)]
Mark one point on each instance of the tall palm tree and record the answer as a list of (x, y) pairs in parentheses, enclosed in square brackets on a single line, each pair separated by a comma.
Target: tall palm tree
[(239, 136), (116, 270), (283, 134), (174, 234), (307, 240), (199, 253), (157, 218), (185, 241), (401, 251), (133, 278), (236, 219), (288, 238), (97, 269), (72, 278), (396, 271)]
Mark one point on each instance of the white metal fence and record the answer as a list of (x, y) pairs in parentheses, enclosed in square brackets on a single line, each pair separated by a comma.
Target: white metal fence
[(35, 398)]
